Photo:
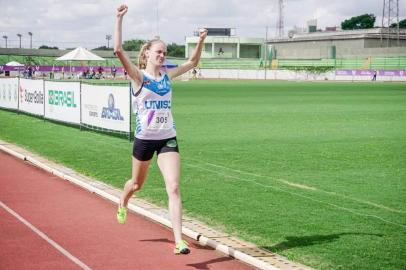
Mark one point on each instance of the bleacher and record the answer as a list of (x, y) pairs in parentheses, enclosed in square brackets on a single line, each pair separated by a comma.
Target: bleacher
[(388, 63), (380, 63), (221, 63)]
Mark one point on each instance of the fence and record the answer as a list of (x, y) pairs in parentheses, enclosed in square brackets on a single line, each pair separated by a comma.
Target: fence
[(102, 107)]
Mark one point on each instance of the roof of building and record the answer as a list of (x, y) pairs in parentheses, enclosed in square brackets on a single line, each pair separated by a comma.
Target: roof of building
[(342, 34)]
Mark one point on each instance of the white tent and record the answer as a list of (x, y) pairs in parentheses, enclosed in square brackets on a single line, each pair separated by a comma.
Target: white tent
[(14, 64), (80, 54)]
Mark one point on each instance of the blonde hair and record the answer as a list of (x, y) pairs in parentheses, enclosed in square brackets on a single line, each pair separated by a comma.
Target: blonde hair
[(142, 58)]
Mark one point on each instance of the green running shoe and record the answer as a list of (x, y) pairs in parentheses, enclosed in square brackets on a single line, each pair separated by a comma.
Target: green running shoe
[(181, 248), (122, 215)]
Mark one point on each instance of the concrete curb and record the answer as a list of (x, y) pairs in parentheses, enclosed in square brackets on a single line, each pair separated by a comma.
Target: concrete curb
[(192, 228)]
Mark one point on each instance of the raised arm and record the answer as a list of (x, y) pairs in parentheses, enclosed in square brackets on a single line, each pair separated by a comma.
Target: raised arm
[(131, 69), (193, 59)]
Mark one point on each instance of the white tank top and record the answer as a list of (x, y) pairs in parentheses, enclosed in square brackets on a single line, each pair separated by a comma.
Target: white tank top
[(152, 106)]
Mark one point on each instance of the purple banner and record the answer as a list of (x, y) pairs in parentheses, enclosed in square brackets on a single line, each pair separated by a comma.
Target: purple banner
[(392, 73), (60, 68), (357, 72), (344, 72)]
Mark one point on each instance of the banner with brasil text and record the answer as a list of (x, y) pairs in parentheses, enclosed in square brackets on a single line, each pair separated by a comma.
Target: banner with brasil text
[(62, 101)]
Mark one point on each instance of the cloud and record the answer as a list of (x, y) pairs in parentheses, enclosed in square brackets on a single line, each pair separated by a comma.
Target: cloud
[(70, 23)]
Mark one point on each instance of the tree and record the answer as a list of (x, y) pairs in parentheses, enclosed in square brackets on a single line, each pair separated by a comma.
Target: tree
[(133, 45), (103, 48), (47, 47), (402, 24), (30, 60), (176, 50), (365, 21)]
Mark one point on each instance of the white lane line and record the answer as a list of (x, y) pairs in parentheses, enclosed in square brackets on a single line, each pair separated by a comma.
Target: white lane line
[(297, 194), (46, 238), (301, 186)]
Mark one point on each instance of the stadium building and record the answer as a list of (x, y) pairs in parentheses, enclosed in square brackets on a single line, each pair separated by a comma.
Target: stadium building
[(355, 49), (223, 43), (339, 44)]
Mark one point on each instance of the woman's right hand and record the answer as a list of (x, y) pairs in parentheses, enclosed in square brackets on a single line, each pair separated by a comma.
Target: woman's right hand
[(122, 10)]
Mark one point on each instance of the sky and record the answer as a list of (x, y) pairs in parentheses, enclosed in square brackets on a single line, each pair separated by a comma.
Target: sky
[(73, 23)]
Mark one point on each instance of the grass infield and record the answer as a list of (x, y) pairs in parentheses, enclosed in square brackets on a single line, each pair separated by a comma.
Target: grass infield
[(313, 171)]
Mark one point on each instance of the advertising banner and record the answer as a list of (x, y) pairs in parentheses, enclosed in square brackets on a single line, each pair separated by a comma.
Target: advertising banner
[(9, 93), (106, 106), (31, 96), (62, 101), (360, 72)]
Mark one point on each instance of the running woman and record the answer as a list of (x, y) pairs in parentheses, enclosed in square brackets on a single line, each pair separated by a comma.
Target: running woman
[(155, 128)]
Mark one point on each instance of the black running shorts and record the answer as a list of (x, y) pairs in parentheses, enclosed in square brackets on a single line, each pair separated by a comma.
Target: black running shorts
[(144, 149)]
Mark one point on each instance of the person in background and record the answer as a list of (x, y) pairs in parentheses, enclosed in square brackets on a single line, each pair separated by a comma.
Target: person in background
[(113, 72), (374, 75)]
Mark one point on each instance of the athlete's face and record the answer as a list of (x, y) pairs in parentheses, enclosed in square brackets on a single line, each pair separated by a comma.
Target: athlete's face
[(157, 53)]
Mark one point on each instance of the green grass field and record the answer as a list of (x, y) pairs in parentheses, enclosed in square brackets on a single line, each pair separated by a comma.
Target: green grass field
[(312, 171)]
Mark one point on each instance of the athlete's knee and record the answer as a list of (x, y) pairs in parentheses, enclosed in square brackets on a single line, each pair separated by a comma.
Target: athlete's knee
[(173, 189), (133, 185), (136, 187)]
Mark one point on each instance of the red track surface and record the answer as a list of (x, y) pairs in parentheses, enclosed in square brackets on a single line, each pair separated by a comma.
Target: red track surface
[(84, 225)]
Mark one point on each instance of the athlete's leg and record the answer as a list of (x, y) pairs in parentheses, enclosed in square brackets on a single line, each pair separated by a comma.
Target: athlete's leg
[(139, 174), (169, 164)]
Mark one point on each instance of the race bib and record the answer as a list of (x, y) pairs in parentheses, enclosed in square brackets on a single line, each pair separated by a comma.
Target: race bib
[(161, 120)]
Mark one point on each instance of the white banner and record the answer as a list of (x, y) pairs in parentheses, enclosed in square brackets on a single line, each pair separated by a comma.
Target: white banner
[(106, 106), (62, 101), (9, 93), (32, 96)]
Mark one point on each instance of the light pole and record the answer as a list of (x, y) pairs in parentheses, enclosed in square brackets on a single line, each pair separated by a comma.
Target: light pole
[(108, 37), (30, 34), (5, 37), (19, 36)]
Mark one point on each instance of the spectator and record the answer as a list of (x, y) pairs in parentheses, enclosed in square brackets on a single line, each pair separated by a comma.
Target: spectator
[(113, 72), (100, 72), (374, 75), (194, 72), (220, 51)]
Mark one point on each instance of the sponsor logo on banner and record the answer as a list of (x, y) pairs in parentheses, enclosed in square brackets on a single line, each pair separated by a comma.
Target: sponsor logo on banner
[(92, 110), (62, 98), (15, 92), (9, 92), (111, 112), (31, 96), (21, 94)]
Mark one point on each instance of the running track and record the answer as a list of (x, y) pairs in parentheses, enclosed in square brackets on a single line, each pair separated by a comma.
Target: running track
[(49, 223)]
